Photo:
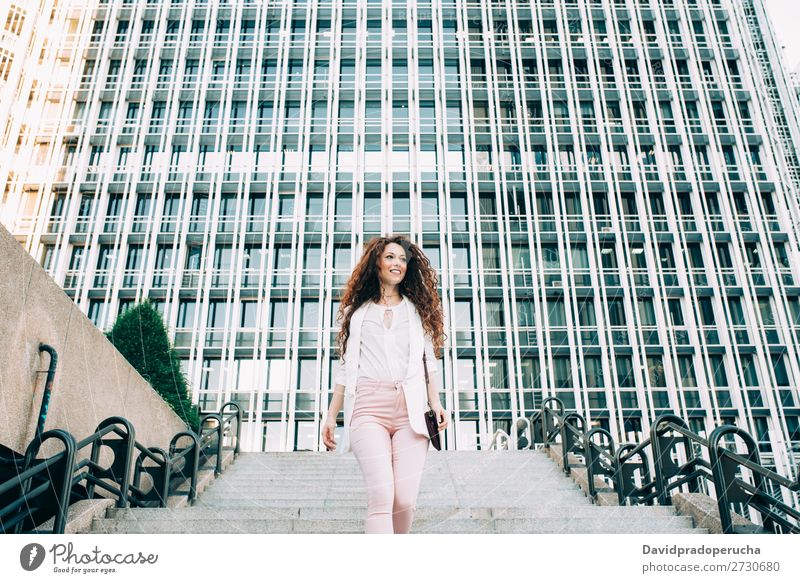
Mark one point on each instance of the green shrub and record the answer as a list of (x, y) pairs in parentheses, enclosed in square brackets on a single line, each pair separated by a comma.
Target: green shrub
[(141, 336)]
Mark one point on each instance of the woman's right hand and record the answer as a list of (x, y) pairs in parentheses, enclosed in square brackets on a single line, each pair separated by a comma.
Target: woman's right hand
[(327, 434)]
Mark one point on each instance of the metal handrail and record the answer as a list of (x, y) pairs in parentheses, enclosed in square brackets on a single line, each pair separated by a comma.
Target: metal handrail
[(45, 488), (624, 478), (212, 438), (724, 466), (45, 404), (190, 456), (48, 385), (599, 459), (158, 473), (500, 440), (171, 468), (120, 470), (571, 436), (668, 432), (688, 473), (61, 473), (56, 485), (552, 422), (523, 434), (548, 420)]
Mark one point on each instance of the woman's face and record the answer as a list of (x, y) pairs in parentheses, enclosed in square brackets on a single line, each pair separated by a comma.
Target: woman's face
[(392, 264)]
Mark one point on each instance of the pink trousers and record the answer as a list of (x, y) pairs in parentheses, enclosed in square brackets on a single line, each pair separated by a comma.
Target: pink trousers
[(390, 453)]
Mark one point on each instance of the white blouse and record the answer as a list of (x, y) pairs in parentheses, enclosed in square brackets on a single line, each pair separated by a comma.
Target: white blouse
[(384, 351)]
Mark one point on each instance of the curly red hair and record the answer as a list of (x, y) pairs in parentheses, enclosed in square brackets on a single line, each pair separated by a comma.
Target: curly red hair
[(419, 285)]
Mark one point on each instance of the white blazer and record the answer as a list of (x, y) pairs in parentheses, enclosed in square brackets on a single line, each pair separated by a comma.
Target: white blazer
[(416, 393)]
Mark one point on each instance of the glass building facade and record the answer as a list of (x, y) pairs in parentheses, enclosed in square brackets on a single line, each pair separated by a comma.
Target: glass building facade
[(608, 190)]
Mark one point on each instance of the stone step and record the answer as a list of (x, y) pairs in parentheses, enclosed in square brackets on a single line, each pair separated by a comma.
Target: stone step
[(303, 467), (240, 479), (489, 475), (438, 493), (461, 492), (356, 470), (251, 487), (432, 455), (443, 490), (333, 501), (673, 525), (353, 461), (528, 460), (449, 457), (342, 497), (555, 478), (441, 494), (356, 477), (431, 458), (466, 465), (427, 477), (81, 516), (422, 512)]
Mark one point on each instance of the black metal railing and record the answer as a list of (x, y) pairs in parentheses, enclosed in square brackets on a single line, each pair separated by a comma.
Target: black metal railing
[(213, 429), (673, 458), (39, 487), (45, 488), (158, 474), (725, 465), (43, 407), (48, 385)]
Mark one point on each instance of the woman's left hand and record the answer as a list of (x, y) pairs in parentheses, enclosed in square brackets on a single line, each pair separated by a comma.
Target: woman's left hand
[(442, 415)]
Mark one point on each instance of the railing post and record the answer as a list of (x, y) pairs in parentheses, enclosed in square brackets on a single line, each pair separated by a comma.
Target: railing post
[(120, 470), (547, 426), (192, 460), (219, 432), (568, 438), (62, 483), (724, 477), (162, 489), (625, 481), (661, 493), (620, 480), (238, 422), (592, 459), (660, 460), (535, 421), (523, 432), (48, 385), (718, 476)]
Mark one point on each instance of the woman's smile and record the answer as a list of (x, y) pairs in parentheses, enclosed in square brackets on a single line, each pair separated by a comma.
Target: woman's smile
[(393, 264)]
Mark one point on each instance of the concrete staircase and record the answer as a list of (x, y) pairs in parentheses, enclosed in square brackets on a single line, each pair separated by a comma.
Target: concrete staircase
[(461, 492)]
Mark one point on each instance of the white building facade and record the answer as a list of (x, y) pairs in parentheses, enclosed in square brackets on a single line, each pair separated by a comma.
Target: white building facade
[(608, 190)]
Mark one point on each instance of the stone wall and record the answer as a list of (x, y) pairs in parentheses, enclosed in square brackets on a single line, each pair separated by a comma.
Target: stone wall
[(93, 381)]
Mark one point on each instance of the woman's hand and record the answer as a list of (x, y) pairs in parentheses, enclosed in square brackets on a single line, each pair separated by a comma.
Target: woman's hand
[(442, 416), (327, 434)]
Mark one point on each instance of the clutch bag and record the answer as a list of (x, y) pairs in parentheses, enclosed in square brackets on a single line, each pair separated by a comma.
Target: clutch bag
[(433, 428), (431, 422)]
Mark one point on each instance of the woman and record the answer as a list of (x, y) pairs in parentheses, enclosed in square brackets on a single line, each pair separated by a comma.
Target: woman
[(390, 313)]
